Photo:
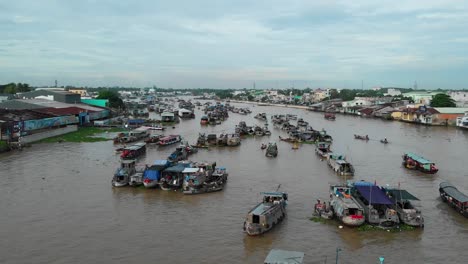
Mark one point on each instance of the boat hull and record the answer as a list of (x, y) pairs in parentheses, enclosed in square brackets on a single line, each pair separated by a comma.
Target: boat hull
[(119, 184), (150, 183)]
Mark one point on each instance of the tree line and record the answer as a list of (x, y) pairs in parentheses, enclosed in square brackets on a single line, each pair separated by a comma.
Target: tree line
[(13, 88)]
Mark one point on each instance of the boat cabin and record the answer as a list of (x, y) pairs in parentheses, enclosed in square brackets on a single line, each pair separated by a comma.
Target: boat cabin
[(452, 196), (415, 162), (133, 151), (172, 139)]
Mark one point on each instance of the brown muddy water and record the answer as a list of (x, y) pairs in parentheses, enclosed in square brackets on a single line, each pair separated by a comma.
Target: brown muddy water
[(58, 205)]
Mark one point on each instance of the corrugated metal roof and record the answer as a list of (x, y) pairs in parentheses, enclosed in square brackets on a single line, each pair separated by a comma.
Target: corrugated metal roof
[(451, 110), (63, 111), (19, 105)]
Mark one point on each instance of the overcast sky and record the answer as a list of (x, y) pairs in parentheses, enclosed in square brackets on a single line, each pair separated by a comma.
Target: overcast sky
[(231, 44)]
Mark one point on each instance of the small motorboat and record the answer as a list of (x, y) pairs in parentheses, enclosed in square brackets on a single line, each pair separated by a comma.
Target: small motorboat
[(264, 146), (366, 137), (321, 210), (384, 141)]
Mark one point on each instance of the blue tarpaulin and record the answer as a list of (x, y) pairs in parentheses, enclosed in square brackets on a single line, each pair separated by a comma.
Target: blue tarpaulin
[(373, 194), (152, 175)]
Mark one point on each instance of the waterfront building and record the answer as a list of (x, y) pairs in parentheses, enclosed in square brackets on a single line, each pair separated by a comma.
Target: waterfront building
[(421, 97), (421, 115), (59, 96), (448, 115), (393, 92), (460, 97), (80, 91), (320, 94)]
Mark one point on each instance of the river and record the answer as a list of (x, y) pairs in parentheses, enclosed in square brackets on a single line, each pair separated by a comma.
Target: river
[(58, 205)]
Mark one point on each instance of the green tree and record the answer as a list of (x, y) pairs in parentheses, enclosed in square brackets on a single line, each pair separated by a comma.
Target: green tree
[(113, 97), (250, 97), (442, 100)]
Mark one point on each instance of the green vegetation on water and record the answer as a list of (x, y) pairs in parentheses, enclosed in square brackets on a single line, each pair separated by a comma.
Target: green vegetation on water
[(317, 219), (84, 134), (367, 227), (4, 146), (402, 227)]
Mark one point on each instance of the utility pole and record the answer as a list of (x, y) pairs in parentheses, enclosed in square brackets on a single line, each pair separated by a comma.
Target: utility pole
[(362, 84), (337, 250)]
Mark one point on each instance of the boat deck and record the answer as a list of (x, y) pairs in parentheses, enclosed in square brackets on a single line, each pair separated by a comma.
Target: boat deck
[(261, 208)]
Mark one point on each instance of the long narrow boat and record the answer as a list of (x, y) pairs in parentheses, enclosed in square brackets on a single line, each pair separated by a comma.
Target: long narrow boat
[(345, 207), (377, 206), (414, 162), (266, 214), (453, 197), (405, 208), (323, 149), (134, 151), (169, 140), (339, 164)]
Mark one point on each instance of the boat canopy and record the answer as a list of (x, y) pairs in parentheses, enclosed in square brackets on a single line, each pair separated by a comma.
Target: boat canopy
[(191, 170), (373, 194), (418, 159), (177, 168), (400, 195), (278, 256), (160, 162), (152, 175), (341, 162), (453, 192), (336, 156), (278, 194)]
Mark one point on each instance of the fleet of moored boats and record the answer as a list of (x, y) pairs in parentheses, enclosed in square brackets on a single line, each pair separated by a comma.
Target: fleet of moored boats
[(353, 203)]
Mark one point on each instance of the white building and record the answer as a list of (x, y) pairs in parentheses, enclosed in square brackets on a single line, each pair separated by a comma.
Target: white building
[(320, 94), (460, 97), (393, 92), (358, 101)]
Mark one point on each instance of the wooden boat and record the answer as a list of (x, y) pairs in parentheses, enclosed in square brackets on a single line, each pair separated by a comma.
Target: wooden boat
[(405, 208), (384, 141), (264, 146), (152, 174), (271, 150), (339, 164), (172, 178), (453, 197), (204, 120), (329, 116), (301, 122), (323, 149), (346, 209), (136, 179), (153, 139), (133, 151), (266, 214), (414, 162), (261, 116), (321, 210), (366, 137), (377, 206), (131, 136), (122, 175), (289, 139), (169, 140), (204, 178), (234, 140)]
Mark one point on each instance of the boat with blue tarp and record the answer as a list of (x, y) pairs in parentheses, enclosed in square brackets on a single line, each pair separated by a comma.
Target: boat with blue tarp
[(415, 162), (377, 205), (266, 214), (152, 174), (453, 197), (172, 178)]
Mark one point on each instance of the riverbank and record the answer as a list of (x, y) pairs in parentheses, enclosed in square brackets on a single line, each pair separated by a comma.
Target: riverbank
[(83, 134)]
